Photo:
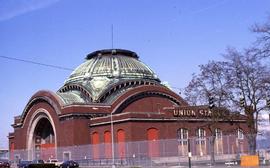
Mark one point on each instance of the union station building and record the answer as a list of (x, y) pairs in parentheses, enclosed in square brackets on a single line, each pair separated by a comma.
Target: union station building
[(114, 97)]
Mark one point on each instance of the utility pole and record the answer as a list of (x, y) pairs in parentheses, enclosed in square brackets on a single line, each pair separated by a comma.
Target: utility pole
[(211, 106), (189, 154), (112, 139)]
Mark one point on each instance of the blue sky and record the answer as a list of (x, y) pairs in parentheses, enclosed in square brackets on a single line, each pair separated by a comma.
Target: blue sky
[(173, 37)]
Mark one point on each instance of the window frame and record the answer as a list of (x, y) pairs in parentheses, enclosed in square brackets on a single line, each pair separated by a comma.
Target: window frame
[(182, 136), (240, 134), (218, 133), (200, 136)]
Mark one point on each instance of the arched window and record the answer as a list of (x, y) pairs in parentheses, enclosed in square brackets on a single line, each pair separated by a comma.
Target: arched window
[(95, 145), (240, 134), (11, 150), (201, 141), (239, 141), (12, 146), (152, 134), (218, 141), (108, 144), (182, 137), (153, 148), (200, 134), (121, 138), (218, 133)]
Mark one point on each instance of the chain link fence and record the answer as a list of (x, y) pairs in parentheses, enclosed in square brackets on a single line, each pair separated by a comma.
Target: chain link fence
[(225, 150)]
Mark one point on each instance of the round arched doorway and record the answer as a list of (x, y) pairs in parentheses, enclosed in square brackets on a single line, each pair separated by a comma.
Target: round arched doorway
[(44, 140), (42, 137)]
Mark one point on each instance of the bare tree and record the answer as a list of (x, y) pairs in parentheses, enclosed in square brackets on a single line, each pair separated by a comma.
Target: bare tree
[(218, 114), (242, 75), (250, 82), (210, 83), (262, 44)]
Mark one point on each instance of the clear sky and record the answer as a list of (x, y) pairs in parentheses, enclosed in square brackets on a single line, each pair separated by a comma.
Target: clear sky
[(173, 37)]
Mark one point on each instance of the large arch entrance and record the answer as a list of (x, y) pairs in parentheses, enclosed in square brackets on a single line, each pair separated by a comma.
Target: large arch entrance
[(42, 137), (44, 140)]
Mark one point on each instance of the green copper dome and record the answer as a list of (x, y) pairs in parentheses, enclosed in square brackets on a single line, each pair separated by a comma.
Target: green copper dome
[(113, 63), (102, 70)]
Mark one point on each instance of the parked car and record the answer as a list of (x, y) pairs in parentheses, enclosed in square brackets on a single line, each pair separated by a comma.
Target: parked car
[(24, 164), (4, 164), (69, 164), (55, 162), (37, 162)]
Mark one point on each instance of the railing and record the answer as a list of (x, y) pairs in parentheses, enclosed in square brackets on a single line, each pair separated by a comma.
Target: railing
[(226, 149)]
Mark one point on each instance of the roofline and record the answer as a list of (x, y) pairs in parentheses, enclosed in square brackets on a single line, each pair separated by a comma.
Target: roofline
[(112, 52), (134, 119)]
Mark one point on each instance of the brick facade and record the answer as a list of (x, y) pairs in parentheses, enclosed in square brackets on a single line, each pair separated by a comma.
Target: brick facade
[(138, 108)]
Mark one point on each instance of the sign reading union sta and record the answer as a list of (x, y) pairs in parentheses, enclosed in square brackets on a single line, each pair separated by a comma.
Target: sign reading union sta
[(191, 112)]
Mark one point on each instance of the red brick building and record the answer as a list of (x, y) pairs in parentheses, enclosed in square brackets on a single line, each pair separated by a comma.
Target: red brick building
[(113, 92)]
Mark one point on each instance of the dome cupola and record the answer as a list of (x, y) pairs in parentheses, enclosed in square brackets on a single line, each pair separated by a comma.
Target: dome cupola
[(111, 63), (103, 70)]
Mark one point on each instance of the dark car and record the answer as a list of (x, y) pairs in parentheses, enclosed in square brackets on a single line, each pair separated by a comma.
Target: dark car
[(4, 164), (24, 164), (37, 162), (69, 164)]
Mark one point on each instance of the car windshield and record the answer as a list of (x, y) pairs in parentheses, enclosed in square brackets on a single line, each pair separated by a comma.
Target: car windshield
[(24, 162), (38, 161)]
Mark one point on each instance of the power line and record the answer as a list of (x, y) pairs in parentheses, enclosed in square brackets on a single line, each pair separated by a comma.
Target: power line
[(57, 67), (36, 63), (219, 3)]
